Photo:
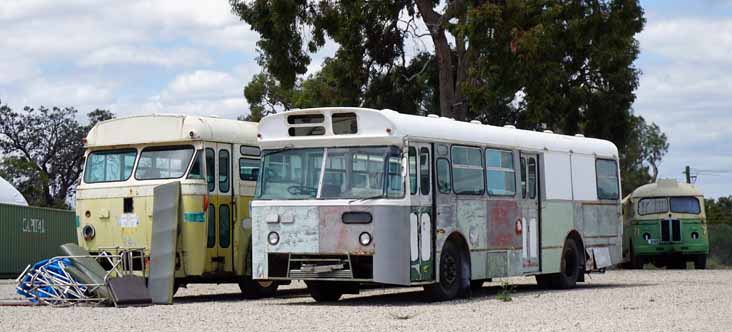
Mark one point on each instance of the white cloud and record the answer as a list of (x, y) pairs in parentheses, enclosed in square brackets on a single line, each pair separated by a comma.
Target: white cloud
[(82, 95), (202, 84), (145, 56), (685, 89), (701, 40)]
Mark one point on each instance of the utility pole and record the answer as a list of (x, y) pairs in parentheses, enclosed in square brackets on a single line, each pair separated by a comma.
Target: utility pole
[(687, 172)]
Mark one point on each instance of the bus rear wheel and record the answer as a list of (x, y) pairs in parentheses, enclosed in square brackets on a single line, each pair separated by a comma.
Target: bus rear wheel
[(324, 291), (569, 271), (257, 289), (453, 269)]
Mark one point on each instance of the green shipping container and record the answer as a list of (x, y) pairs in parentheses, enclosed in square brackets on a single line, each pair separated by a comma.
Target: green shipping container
[(30, 234)]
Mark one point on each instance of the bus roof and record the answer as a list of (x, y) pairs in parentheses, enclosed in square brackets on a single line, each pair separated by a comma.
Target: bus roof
[(666, 187), (162, 128), (384, 126)]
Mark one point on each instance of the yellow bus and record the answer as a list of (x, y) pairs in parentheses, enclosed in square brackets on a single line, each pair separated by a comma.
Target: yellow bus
[(126, 158)]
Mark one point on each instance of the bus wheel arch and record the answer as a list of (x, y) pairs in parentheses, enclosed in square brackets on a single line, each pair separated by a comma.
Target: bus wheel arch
[(453, 270), (574, 235)]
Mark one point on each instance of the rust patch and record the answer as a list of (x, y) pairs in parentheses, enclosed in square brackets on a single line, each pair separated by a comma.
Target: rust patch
[(337, 237), (501, 224)]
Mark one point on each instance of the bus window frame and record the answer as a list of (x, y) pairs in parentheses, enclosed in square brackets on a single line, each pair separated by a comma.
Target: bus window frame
[(132, 173), (503, 170), (482, 167), (187, 169), (617, 180)]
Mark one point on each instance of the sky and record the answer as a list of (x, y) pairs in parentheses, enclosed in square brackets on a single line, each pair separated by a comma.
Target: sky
[(195, 57)]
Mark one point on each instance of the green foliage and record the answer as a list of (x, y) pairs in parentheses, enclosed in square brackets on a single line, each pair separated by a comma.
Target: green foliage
[(43, 151), (646, 146), (571, 61), (719, 222), (505, 293)]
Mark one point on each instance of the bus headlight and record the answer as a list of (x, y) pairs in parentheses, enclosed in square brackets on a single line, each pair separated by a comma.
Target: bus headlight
[(365, 238), (694, 235), (273, 238), (88, 232)]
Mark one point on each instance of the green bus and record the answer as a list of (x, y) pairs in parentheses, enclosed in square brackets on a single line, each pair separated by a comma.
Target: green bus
[(665, 224)]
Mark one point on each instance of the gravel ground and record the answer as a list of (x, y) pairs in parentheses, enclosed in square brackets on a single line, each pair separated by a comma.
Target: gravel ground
[(657, 300)]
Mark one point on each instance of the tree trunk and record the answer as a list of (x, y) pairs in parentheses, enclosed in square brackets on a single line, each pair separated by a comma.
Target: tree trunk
[(443, 53)]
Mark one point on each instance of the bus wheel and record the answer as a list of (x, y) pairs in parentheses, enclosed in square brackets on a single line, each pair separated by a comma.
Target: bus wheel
[(452, 275), (570, 266), (257, 289), (324, 291), (700, 262)]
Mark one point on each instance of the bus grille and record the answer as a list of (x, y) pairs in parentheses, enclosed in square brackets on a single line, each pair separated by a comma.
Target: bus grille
[(346, 267), (670, 230)]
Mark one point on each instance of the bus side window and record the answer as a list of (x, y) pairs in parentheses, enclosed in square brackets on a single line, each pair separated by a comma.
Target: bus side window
[(210, 169), (444, 180), (211, 242), (224, 171), (607, 179), (523, 177), (196, 170), (424, 171), (532, 178), (248, 169), (412, 170), (224, 227)]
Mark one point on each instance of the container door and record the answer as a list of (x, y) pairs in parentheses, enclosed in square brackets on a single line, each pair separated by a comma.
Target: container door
[(421, 223), (530, 211)]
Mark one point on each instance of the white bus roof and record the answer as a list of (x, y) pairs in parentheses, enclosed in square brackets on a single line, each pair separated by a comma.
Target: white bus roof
[(390, 127), (666, 188), (162, 128)]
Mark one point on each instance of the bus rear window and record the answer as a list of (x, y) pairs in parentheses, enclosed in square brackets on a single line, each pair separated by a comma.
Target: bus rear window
[(169, 162), (685, 205), (109, 166)]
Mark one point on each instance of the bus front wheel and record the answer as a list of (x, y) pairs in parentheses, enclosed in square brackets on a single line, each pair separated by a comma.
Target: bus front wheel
[(324, 291), (257, 289), (453, 270)]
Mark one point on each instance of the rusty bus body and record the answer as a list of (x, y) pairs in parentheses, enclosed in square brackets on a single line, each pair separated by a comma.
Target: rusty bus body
[(410, 200)]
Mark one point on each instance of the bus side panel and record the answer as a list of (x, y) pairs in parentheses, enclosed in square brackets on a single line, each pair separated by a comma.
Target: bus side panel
[(192, 236), (242, 236), (600, 226), (557, 220), (391, 242)]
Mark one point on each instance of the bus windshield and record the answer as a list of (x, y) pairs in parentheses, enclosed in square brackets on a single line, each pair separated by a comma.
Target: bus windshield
[(109, 166), (167, 162), (350, 173)]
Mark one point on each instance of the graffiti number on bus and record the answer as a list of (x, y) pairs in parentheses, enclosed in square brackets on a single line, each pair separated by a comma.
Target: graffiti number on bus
[(32, 225)]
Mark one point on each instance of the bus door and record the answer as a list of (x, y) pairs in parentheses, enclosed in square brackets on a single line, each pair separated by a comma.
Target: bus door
[(222, 189), (421, 225), (530, 212)]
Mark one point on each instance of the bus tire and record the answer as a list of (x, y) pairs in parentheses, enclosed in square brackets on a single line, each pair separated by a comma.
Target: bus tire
[(452, 275), (257, 289), (570, 266), (324, 291), (700, 262)]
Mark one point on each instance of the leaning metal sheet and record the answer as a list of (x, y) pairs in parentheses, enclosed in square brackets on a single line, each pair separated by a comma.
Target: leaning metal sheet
[(162, 246)]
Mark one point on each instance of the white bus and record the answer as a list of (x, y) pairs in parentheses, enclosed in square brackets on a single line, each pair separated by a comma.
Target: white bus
[(217, 163), (350, 195)]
